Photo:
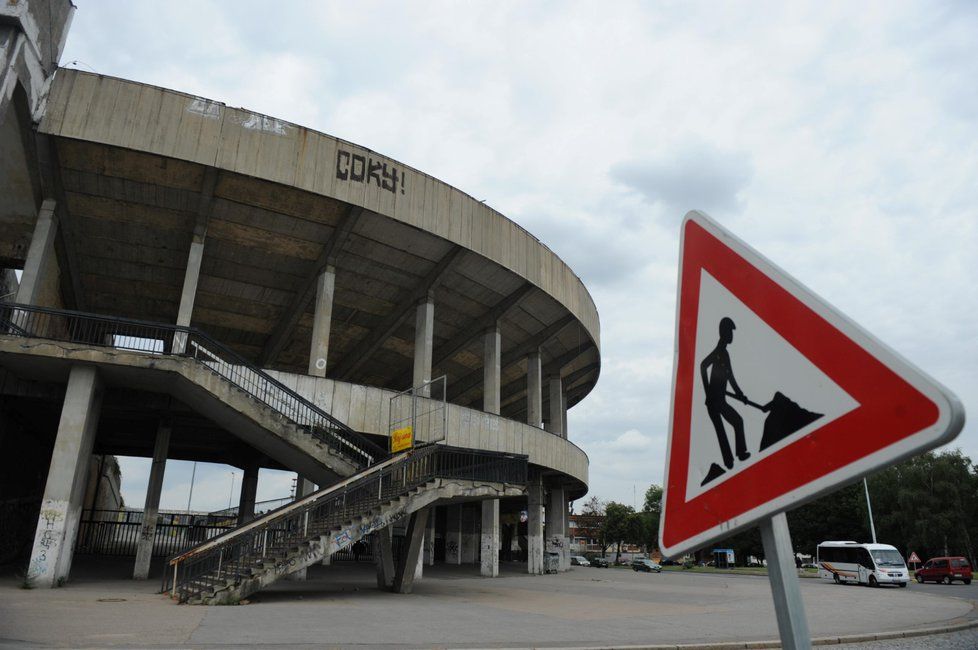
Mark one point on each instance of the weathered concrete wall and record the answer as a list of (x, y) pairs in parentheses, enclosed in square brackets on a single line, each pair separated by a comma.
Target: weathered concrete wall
[(168, 123), (367, 409)]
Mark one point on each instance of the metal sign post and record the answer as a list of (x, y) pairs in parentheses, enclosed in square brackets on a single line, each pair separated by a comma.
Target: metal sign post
[(781, 571)]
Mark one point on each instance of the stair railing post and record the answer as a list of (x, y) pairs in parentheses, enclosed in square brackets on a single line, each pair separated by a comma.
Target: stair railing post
[(264, 543), (173, 590)]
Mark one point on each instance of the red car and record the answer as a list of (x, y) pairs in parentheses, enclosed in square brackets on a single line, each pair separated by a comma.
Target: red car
[(946, 570)]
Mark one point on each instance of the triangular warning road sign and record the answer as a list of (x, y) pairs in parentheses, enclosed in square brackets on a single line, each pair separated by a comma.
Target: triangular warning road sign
[(914, 558), (777, 397)]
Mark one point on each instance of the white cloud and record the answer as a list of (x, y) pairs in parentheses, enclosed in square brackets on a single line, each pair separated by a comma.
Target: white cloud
[(838, 139)]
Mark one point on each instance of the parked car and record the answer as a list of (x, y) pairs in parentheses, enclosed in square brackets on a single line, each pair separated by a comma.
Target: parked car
[(600, 562), (946, 570), (646, 565), (579, 560)]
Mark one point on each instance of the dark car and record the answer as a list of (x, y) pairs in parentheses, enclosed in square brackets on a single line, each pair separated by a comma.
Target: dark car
[(646, 565), (946, 570), (600, 562)]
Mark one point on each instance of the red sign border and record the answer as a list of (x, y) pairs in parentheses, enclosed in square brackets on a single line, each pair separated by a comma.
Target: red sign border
[(916, 413)]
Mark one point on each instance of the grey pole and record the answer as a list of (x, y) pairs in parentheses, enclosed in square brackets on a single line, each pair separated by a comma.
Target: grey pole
[(788, 606), (869, 507), (231, 493)]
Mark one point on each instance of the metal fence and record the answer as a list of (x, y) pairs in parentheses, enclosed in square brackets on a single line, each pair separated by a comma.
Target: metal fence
[(234, 554), (163, 339), (116, 532), (423, 409)]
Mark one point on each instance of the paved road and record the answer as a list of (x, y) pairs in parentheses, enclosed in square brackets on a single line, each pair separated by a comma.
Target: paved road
[(340, 607), (955, 589)]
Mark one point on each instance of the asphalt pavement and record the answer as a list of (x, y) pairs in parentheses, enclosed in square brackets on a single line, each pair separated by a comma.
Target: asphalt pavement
[(454, 607)]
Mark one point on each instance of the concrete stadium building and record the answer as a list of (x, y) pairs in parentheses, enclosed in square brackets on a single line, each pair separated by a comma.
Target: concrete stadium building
[(201, 282)]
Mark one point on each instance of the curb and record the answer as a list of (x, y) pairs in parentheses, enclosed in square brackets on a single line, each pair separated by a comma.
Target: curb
[(753, 645)]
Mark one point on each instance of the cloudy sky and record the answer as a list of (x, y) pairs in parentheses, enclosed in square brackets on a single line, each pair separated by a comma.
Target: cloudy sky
[(839, 139)]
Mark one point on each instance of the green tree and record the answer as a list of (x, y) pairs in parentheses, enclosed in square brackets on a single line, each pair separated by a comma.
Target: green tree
[(619, 525), (590, 523)]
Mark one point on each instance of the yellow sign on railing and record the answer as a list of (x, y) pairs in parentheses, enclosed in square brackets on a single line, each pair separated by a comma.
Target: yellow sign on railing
[(402, 439)]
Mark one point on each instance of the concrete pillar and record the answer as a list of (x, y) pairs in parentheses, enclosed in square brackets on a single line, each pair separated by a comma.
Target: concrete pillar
[(556, 421), (57, 526), (38, 253), (144, 547), (563, 414), (534, 390), (491, 371), (491, 388), (319, 348), (404, 576), (424, 331), (453, 535), (303, 487), (249, 490), (189, 292), (429, 539), (384, 558), (489, 566), (534, 526), (556, 527)]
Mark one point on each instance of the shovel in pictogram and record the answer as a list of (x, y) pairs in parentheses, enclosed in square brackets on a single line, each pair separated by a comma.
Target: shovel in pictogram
[(784, 417)]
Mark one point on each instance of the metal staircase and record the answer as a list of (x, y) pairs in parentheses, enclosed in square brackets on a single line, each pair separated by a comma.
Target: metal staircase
[(242, 561), (173, 341)]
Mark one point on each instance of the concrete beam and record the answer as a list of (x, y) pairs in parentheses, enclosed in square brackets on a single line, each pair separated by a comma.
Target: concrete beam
[(147, 532), (38, 254), (309, 285), (191, 277), (362, 352), (57, 526), (404, 577)]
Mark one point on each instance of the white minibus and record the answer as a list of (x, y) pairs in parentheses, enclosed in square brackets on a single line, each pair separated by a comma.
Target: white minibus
[(867, 564)]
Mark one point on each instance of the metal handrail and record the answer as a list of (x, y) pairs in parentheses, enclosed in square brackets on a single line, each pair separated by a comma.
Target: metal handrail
[(231, 556), (188, 342)]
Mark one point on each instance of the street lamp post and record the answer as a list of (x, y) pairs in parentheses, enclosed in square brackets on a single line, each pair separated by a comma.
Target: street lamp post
[(231, 493)]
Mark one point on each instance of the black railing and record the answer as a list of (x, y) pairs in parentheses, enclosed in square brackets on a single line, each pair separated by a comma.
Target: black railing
[(117, 532), (235, 554), (174, 340)]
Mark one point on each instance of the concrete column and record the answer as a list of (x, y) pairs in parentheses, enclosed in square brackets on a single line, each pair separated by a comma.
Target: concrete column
[(534, 390), (491, 371), (189, 292), (489, 542), (563, 414), (249, 489), (404, 577), (319, 349), (556, 422), (303, 487), (534, 527), (429, 539), (557, 526), (144, 547), (424, 328), (384, 558), (57, 526), (38, 254), (453, 535), (489, 565)]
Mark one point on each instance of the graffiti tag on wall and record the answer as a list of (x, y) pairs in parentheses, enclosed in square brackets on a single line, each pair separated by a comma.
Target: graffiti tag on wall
[(364, 169)]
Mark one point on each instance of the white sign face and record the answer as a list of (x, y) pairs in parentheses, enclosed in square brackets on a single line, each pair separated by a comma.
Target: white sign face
[(762, 363), (777, 397)]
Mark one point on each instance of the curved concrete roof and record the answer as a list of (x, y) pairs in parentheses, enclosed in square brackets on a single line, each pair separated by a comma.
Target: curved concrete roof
[(142, 168)]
